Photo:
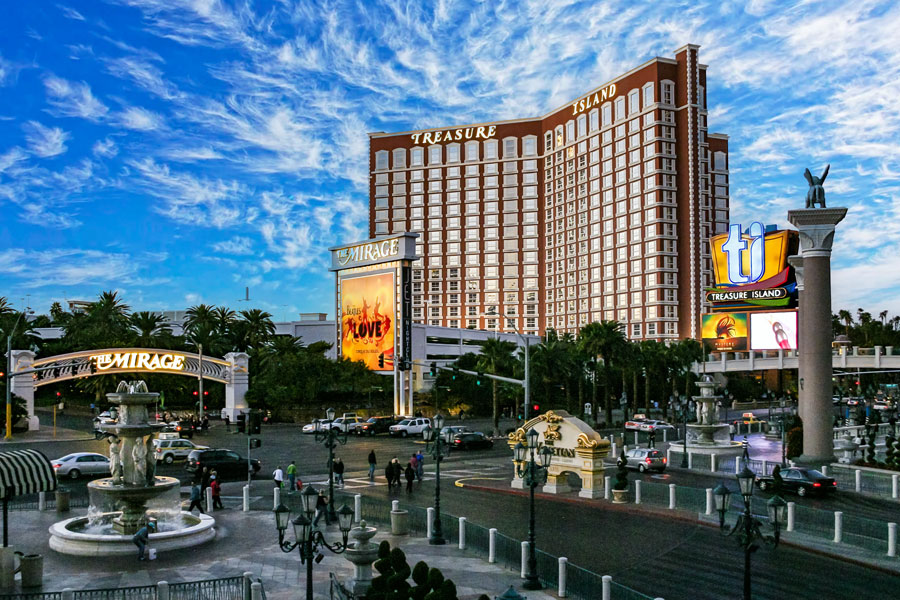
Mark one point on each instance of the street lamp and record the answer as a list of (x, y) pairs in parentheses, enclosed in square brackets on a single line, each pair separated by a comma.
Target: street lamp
[(434, 442), (331, 437), (493, 313), (533, 474), (748, 527), (308, 539)]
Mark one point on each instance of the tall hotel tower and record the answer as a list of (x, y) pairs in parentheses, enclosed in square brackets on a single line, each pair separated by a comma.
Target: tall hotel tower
[(600, 210)]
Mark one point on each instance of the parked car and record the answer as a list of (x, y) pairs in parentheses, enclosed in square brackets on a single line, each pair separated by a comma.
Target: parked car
[(471, 440), (311, 427), (169, 450), (646, 459), (227, 463), (75, 465), (454, 430), (183, 428), (374, 426), (344, 424), (747, 418), (411, 426), (800, 480), (636, 422), (655, 425), (882, 405)]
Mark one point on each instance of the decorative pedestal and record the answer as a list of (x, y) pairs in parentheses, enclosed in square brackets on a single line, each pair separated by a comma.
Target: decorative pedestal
[(362, 553)]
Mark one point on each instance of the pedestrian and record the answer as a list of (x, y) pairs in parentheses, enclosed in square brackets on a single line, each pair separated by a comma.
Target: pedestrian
[(142, 536), (292, 475), (414, 463), (321, 505), (410, 477), (216, 492), (420, 465), (195, 498), (893, 423), (204, 424), (651, 439), (92, 408), (731, 431), (397, 471), (339, 471), (372, 463), (278, 476), (204, 480), (227, 423)]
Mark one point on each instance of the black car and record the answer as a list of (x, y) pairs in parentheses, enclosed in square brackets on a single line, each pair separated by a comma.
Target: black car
[(229, 465), (374, 425), (800, 480), (473, 440)]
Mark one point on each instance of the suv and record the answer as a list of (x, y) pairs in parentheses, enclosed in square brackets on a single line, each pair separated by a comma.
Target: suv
[(411, 426), (645, 459), (374, 426), (345, 424), (168, 450), (227, 463)]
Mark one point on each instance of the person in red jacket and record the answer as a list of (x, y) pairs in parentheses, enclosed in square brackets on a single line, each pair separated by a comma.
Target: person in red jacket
[(216, 492)]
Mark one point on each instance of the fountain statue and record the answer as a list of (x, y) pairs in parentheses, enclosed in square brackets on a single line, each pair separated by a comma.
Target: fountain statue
[(707, 435), (132, 484)]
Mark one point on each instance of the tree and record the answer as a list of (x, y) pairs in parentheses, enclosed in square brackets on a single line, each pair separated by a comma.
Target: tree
[(496, 358), (200, 316), (149, 327), (259, 327), (847, 319), (605, 341)]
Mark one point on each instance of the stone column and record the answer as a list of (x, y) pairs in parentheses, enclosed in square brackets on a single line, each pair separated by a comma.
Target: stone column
[(23, 386), (238, 382), (816, 227)]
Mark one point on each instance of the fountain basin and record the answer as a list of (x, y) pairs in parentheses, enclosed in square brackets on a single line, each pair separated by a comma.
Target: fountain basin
[(66, 537)]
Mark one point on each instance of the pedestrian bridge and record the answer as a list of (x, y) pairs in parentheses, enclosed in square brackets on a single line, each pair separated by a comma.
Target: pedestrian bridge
[(879, 357)]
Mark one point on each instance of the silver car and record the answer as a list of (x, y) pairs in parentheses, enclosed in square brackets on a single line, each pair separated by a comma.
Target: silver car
[(75, 465), (646, 459)]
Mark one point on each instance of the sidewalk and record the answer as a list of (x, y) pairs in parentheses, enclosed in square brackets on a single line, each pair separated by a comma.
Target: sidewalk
[(47, 434), (245, 542)]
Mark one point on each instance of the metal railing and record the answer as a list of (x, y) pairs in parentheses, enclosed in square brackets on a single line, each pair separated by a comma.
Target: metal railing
[(228, 588)]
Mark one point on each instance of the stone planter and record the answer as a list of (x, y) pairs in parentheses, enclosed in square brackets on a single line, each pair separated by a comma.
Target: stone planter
[(620, 496)]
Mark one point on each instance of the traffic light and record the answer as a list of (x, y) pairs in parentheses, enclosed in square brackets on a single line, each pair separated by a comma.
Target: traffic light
[(241, 422), (58, 395), (478, 377), (381, 360), (255, 423), (433, 369), (455, 373), (255, 442), (536, 407)]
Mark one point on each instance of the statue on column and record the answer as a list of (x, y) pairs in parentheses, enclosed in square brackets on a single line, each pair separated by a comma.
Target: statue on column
[(816, 193), (151, 461), (139, 456), (115, 459)]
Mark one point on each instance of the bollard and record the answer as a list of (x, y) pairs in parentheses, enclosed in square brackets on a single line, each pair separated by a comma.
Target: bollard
[(256, 591), (765, 466), (561, 589), (892, 540), (613, 451), (636, 442), (430, 518), (607, 587), (838, 526), (791, 512), (606, 481), (671, 496), (492, 545), (665, 435), (712, 463), (624, 446), (68, 594), (209, 500), (248, 579), (858, 475), (895, 486), (462, 533), (162, 590), (42, 501), (276, 498), (395, 505), (246, 506), (690, 460), (524, 559), (637, 491), (825, 470), (737, 466), (669, 455), (710, 503), (357, 508)]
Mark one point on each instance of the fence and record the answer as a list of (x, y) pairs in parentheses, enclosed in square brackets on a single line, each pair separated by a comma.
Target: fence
[(229, 588)]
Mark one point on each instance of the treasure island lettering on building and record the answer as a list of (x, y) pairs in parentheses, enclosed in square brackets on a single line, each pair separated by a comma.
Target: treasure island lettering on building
[(600, 210)]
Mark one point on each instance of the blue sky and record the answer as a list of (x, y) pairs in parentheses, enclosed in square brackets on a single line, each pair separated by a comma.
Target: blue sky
[(178, 151)]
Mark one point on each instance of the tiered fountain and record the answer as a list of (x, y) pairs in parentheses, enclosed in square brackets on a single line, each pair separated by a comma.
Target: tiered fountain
[(707, 435), (131, 487)]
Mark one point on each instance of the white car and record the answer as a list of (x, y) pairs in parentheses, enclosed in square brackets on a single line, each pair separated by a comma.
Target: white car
[(411, 426), (323, 425), (346, 424), (655, 425), (75, 465), (168, 451)]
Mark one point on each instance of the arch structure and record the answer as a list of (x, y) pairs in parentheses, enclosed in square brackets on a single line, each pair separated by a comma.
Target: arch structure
[(232, 370), (576, 448)]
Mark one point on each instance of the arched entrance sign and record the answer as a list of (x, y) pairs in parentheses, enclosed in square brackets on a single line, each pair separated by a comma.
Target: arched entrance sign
[(576, 448), (230, 370)]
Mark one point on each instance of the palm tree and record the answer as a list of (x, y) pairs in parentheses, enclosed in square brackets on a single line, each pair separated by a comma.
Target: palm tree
[(109, 309), (200, 316), (150, 327), (605, 341), (258, 327), (883, 316), (496, 358), (5, 306), (847, 319)]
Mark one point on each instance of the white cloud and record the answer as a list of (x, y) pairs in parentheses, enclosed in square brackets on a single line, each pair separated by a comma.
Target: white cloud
[(68, 267), (72, 99), (45, 141), (193, 154), (241, 246), (11, 158), (140, 119), (70, 13), (106, 148), (143, 73)]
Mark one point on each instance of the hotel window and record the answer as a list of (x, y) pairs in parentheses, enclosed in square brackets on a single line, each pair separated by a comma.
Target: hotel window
[(570, 131), (595, 120), (452, 153), (434, 155), (582, 125), (648, 95), (529, 147), (381, 159), (719, 161), (399, 158), (620, 108), (490, 150), (509, 147), (607, 114), (634, 102), (668, 93), (417, 159), (701, 96)]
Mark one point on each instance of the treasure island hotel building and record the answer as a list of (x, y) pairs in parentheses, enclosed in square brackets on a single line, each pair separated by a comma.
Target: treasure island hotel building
[(599, 210)]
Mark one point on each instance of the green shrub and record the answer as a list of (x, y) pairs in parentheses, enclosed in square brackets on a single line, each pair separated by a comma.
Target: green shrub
[(795, 442)]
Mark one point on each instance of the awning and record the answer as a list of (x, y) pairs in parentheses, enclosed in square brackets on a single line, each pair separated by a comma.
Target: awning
[(25, 472)]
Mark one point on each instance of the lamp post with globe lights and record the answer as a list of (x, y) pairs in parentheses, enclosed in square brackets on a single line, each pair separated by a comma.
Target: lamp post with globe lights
[(436, 444), (533, 472), (331, 437)]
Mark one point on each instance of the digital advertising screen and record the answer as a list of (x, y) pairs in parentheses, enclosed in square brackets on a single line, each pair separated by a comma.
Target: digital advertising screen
[(725, 332), (773, 330), (368, 320)]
